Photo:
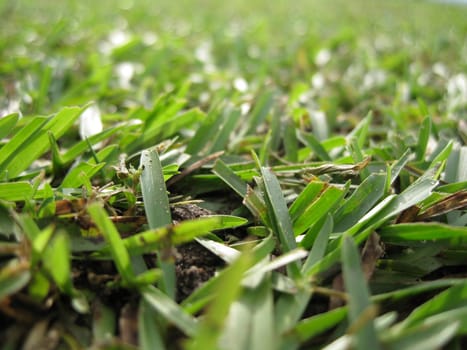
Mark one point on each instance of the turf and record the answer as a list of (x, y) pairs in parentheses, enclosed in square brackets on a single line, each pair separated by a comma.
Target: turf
[(251, 175)]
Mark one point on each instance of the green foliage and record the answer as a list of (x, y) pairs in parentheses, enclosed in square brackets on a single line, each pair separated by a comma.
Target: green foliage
[(267, 175)]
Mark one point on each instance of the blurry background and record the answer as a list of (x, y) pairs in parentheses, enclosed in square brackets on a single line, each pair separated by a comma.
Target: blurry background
[(345, 57)]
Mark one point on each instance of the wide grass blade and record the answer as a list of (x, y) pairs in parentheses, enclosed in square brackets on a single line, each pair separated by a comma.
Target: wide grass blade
[(27, 148), (227, 291), (16, 191), (250, 324), (156, 201), (156, 206)]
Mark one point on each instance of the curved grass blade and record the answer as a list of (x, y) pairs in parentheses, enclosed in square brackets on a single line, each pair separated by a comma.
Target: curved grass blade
[(169, 310)]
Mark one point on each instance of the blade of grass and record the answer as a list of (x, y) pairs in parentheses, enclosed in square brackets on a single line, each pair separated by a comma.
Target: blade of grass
[(228, 289), (359, 297), (156, 206), (450, 299), (117, 248), (319, 244), (401, 233), (318, 209), (149, 334), (423, 137), (367, 194), (250, 324), (7, 123), (279, 213), (29, 150), (169, 310), (230, 178), (56, 260), (315, 325), (315, 145)]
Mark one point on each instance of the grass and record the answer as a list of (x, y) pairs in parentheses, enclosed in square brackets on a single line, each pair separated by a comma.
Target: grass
[(246, 176)]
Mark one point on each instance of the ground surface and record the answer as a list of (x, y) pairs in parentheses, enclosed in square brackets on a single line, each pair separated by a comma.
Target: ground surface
[(256, 175)]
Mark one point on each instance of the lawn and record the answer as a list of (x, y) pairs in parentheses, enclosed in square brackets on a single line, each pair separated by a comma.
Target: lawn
[(247, 175)]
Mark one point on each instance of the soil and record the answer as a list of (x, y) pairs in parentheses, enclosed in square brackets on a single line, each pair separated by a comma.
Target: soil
[(194, 264)]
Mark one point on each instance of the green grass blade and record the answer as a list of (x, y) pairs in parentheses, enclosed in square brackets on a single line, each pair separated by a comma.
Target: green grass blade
[(423, 137), (230, 178), (210, 125), (183, 232), (359, 297), (427, 337), (80, 174), (13, 279), (315, 325), (255, 309), (318, 209), (156, 201), (290, 142), (228, 290), (260, 111), (221, 138), (117, 248), (169, 310), (16, 191), (315, 145), (360, 132), (456, 171), (7, 123), (401, 233), (397, 166), (452, 298), (156, 206), (367, 194), (38, 143), (307, 196), (56, 260), (319, 244), (149, 334), (19, 141), (279, 213)]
